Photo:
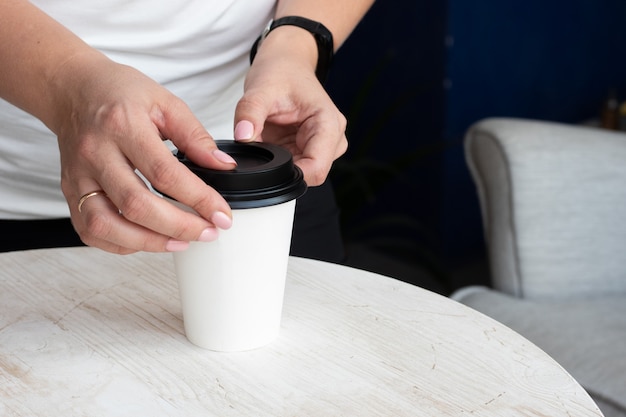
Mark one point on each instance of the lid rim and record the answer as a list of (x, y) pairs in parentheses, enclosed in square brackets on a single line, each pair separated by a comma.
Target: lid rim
[(276, 179)]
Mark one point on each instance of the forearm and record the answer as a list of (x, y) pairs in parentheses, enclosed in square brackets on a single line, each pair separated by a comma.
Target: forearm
[(34, 49)]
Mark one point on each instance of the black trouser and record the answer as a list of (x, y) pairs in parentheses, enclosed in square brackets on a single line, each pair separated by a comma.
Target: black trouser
[(36, 234), (316, 232)]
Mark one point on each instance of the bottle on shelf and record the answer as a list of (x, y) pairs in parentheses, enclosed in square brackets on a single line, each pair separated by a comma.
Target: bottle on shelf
[(610, 117)]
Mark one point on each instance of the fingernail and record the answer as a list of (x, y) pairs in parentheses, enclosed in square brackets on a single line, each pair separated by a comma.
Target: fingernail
[(224, 157), (244, 130), (208, 235), (174, 245), (221, 220)]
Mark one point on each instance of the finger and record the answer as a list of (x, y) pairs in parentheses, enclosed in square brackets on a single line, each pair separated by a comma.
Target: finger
[(177, 123), (250, 115), (322, 140), (100, 224), (167, 175), (142, 207)]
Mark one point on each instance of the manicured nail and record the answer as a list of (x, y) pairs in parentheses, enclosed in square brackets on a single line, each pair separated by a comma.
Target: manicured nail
[(208, 235), (244, 130), (174, 245), (221, 220), (224, 157)]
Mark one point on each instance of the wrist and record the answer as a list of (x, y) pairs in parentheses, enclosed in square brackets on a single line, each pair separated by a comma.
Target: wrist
[(300, 36), (288, 43)]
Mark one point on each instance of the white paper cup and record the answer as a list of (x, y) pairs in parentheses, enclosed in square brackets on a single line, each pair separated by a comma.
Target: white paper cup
[(232, 289)]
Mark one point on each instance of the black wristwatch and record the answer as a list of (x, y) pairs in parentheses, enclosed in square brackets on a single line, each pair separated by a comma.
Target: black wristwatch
[(323, 38)]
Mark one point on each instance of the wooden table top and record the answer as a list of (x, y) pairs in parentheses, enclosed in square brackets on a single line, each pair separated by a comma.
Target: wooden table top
[(87, 333)]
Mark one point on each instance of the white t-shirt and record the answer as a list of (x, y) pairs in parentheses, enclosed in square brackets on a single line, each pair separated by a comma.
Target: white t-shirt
[(198, 49)]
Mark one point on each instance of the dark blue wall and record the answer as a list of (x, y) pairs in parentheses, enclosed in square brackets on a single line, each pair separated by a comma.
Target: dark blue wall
[(541, 59)]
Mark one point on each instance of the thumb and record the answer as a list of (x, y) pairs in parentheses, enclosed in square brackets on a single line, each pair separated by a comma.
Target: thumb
[(250, 116)]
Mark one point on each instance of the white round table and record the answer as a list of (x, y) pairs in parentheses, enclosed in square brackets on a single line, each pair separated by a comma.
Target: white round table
[(86, 333)]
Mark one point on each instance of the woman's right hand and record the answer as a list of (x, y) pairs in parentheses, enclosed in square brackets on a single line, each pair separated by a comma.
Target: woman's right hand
[(112, 119)]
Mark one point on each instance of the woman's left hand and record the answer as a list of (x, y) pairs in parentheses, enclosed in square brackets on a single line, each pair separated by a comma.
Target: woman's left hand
[(285, 104)]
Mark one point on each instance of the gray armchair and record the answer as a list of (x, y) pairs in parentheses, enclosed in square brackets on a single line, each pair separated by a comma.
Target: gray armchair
[(553, 201)]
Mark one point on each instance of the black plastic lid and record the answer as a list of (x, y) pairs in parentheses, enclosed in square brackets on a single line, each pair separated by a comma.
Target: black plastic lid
[(265, 175)]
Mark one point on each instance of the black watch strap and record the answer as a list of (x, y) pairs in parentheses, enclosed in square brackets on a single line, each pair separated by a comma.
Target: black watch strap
[(323, 38)]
